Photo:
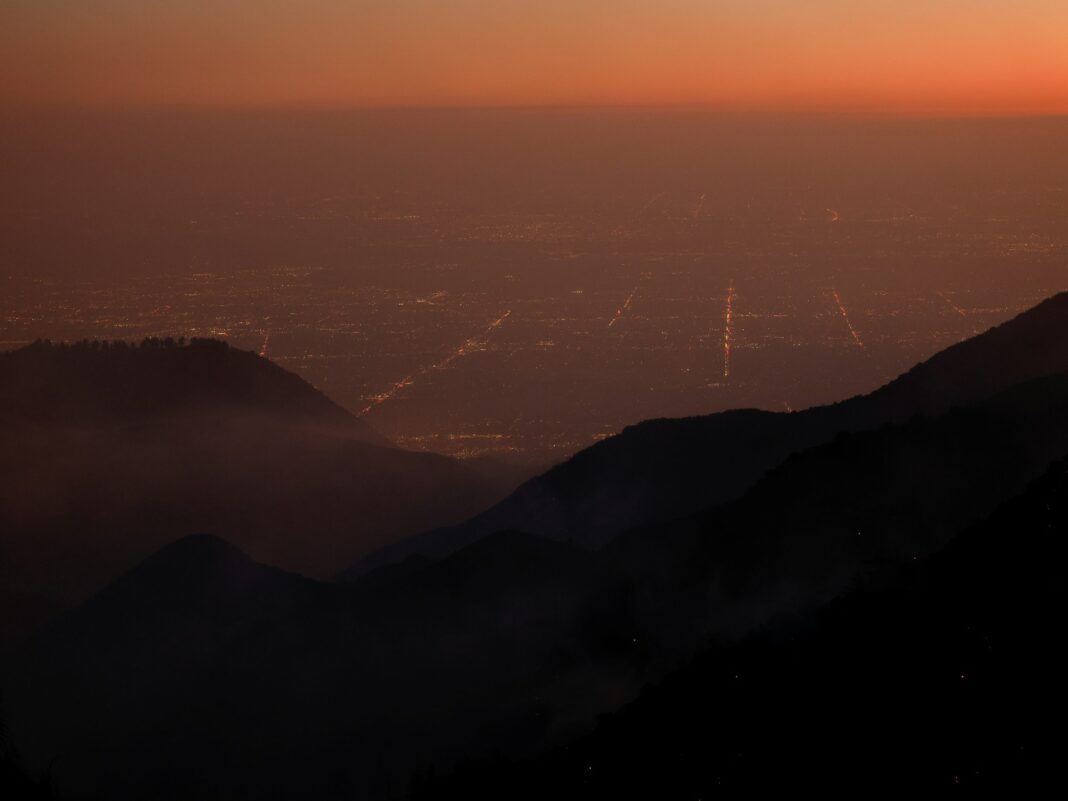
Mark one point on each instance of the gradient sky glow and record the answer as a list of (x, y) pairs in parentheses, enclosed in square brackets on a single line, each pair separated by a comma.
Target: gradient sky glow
[(951, 56)]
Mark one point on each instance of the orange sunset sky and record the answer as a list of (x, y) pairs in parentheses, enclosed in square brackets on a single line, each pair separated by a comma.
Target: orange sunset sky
[(912, 56)]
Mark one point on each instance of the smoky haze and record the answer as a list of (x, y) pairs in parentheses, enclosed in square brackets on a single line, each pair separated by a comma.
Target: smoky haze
[(520, 283)]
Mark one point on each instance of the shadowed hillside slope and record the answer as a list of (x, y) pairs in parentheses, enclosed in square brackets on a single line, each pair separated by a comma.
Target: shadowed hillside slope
[(662, 469), (107, 452), (947, 675), (104, 383), (510, 645)]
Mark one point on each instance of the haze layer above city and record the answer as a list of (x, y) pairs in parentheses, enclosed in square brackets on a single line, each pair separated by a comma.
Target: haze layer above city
[(520, 283)]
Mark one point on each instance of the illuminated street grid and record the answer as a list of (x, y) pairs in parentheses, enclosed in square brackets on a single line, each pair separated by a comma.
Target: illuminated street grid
[(531, 336)]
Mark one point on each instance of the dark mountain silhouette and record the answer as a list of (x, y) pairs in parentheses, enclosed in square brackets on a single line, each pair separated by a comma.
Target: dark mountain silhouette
[(946, 675), (104, 383), (273, 685), (830, 515), (16, 782), (661, 469), (109, 451)]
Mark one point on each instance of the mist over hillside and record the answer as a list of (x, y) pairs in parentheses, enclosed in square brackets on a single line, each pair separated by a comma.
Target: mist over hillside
[(511, 646), (940, 676), (109, 451)]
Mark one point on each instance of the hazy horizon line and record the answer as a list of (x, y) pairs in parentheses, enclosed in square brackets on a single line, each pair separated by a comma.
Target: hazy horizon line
[(15, 109)]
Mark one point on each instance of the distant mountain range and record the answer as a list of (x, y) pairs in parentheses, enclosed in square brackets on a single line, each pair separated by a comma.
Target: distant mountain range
[(110, 451), (663, 469), (107, 384), (853, 579)]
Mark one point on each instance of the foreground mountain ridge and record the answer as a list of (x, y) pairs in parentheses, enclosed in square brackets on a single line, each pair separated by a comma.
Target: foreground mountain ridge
[(945, 676), (204, 673), (666, 468), (510, 645)]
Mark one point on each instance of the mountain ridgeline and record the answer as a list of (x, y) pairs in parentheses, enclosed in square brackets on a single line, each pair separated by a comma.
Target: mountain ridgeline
[(109, 451), (868, 607), (944, 676), (663, 469), (117, 383)]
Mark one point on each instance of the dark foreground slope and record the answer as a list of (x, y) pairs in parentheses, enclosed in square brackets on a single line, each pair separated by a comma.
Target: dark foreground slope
[(661, 469), (948, 675), (202, 674), (271, 685), (833, 514), (107, 452)]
